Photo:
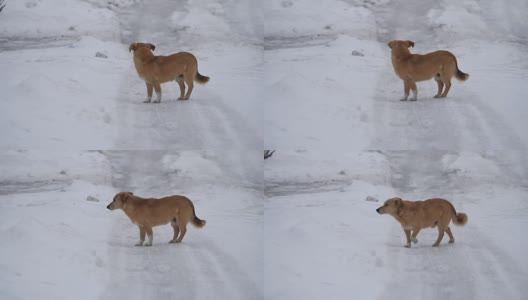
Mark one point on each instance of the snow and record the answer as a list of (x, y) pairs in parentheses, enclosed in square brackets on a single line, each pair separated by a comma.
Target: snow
[(311, 79), (327, 241), (58, 242), (59, 18), (322, 96)]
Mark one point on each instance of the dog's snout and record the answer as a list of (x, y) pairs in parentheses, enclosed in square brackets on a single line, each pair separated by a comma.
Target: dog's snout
[(378, 210), (109, 206)]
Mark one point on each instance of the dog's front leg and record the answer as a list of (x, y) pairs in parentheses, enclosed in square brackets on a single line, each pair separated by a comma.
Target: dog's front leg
[(141, 236), (414, 91), (148, 229), (157, 88), (408, 236), (149, 93), (406, 88)]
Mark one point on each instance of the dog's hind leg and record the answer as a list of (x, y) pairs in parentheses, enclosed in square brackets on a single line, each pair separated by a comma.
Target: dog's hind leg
[(179, 80), (183, 229), (141, 236), (190, 85), (441, 230), (148, 229), (450, 234), (447, 82), (408, 236), (174, 225), (149, 93), (440, 86), (414, 234)]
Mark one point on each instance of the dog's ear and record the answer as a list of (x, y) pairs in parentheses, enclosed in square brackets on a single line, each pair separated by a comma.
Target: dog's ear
[(125, 196), (399, 202), (389, 44), (410, 43), (152, 47), (132, 47)]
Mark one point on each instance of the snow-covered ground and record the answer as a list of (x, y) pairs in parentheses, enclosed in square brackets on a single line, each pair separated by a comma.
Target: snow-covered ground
[(332, 93), (68, 84), (324, 239), (62, 243), (331, 84), (310, 78), (58, 93)]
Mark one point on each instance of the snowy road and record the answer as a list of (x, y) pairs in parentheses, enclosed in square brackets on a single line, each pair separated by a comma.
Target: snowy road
[(335, 86), (328, 240), (311, 79), (470, 119), (209, 264), (222, 114)]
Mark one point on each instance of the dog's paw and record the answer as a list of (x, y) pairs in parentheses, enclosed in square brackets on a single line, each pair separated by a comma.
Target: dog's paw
[(438, 96), (451, 241), (413, 99), (403, 99), (436, 245), (148, 244), (173, 241), (139, 244), (415, 240), (156, 101), (181, 98), (146, 101), (407, 245)]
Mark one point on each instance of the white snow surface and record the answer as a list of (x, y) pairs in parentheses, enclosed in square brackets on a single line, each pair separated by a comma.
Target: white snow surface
[(60, 245), (326, 241), (330, 82), (312, 79)]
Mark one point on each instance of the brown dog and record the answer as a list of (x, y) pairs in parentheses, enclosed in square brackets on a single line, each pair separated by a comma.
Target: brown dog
[(180, 67), (442, 65), (147, 213), (422, 214)]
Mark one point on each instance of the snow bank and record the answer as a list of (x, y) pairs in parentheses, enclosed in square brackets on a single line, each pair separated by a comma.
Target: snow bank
[(205, 23), (59, 18), (317, 19)]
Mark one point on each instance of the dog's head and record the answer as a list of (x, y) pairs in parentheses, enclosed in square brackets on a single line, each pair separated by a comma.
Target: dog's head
[(120, 200), (137, 46), (395, 44), (391, 206)]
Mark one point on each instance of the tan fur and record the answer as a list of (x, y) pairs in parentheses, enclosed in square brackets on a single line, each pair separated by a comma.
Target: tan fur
[(180, 67), (147, 213), (422, 214), (442, 65)]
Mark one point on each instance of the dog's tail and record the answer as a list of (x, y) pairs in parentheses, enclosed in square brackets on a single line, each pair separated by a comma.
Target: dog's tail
[(459, 74), (196, 221), (201, 78), (459, 219)]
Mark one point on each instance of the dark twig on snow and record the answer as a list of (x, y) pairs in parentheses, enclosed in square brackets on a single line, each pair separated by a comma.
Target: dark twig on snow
[(268, 153), (2, 5)]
